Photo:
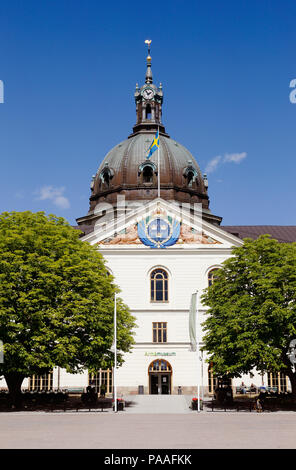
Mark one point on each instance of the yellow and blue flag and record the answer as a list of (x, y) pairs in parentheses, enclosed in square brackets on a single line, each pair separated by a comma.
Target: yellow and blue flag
[(154, 145)]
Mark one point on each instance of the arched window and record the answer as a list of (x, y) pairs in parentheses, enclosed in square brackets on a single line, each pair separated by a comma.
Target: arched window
[(160, 365), (190, 178), (148, 174), (159, 285), (212, 276), (106, 176), (148, 112), (190, 174)]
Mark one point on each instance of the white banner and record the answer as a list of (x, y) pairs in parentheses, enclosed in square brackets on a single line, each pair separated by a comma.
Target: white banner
[(192, 321)]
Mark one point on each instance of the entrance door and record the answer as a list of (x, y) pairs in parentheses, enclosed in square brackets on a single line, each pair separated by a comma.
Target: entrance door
[(154, 384), (160, 384), (160, 372), (165, 384)]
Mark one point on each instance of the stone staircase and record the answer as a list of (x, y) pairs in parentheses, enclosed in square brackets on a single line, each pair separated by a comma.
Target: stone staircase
[(157, 404)]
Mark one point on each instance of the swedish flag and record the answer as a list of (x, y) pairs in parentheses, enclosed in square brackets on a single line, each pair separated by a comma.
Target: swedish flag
[(154, 145)]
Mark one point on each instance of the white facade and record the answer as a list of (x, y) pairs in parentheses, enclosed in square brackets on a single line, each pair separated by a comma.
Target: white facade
[(187, 265)]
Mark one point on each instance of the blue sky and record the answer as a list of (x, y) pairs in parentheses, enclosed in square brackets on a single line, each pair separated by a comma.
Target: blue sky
[(69, 70)]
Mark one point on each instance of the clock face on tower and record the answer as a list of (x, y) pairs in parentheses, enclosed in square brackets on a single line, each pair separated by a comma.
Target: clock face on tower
[(148, 94)]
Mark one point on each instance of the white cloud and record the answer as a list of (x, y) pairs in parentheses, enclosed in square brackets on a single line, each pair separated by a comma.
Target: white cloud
[(234, 157), (212, 165), (228, 158), (56, 195)]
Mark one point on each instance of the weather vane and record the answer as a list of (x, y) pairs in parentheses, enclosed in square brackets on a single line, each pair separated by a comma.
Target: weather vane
[(148, 42)]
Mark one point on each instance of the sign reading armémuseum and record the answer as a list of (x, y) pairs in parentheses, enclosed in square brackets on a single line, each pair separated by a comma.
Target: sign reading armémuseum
[(160, 354)]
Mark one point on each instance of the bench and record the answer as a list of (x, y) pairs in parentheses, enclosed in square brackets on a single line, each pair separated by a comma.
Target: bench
[(246, 405), (75, 390), (98, 405)]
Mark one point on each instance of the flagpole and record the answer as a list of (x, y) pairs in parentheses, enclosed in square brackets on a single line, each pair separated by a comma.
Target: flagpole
[(158, 173), (198, 359), (115, 356), (202, 384)]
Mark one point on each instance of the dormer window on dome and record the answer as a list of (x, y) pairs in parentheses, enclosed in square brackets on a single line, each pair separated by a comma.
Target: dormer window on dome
[(106, 176), (190, 174), (147, 173)]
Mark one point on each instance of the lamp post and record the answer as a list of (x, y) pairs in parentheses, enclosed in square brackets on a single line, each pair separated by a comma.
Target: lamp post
[(193, 333), (202, 384)]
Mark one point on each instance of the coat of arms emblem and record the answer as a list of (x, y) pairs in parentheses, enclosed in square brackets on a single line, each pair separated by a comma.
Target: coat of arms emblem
[(158, 232)]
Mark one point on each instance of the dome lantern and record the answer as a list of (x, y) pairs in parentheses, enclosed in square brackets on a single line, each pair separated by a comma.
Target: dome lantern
[(148, 101), (125, 171)]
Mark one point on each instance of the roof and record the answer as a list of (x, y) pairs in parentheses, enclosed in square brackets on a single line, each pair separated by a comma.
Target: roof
[(121, 173), (85, 229), (282, 233), (126, 157)]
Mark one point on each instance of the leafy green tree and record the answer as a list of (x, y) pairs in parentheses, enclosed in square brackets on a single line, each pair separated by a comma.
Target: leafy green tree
[(252, 310), (56, 300)]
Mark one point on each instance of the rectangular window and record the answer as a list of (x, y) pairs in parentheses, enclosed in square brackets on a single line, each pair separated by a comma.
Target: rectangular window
[(102, 380), (159, 332), (38, 383), (277, 381), (212, 380)]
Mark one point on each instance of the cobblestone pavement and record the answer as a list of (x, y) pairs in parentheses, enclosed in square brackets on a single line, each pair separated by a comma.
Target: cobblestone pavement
[(106, 430)]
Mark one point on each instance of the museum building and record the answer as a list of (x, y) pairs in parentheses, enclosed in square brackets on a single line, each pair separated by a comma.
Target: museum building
[(150, 218)]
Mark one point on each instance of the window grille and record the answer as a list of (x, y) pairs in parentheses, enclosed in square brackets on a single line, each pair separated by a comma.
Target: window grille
[(159, 285), (38, 383), (212, 276), (159, 332), (160, 365), (212, 380), (278, 381), (101, 378)]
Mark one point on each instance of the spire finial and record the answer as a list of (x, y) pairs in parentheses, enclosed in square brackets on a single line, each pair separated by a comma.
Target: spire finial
[(148, 42), (148, 72)]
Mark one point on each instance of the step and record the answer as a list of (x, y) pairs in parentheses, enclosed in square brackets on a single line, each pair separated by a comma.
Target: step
[(157, 404)]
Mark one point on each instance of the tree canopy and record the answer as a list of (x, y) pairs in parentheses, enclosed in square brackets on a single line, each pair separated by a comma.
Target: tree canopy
[(56, 300), (252, 310)]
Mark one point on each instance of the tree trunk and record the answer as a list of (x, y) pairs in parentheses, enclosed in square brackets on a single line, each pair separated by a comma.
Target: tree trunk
[(292, 378), (14, 381), (289, 371)]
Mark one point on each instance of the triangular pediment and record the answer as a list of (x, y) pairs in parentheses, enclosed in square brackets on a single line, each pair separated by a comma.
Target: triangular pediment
[(160, 224), (126, 236)]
